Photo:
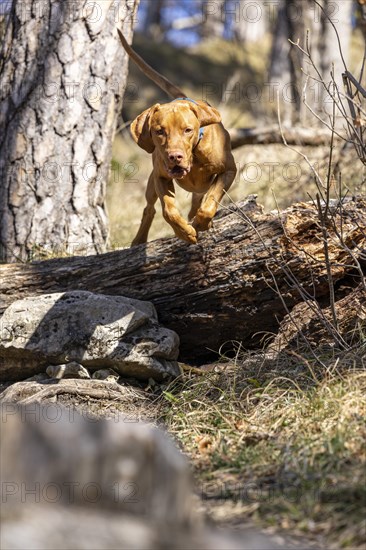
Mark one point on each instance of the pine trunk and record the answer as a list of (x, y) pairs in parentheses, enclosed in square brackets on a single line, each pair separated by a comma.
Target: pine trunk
[(62, 80), (290, 69), (213, 20)]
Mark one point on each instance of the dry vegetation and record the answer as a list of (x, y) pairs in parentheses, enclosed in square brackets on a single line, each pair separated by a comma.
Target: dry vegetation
[(282, 441), (275, 442)]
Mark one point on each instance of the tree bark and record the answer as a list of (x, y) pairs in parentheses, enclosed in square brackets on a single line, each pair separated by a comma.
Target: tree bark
[(361, 19), (236, 284), (308, 326), (61, 85)]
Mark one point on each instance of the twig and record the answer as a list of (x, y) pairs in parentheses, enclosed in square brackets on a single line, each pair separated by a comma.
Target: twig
[(327, 265)]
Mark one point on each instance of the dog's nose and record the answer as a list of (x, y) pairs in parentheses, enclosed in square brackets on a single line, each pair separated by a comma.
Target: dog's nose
[(175, 156)]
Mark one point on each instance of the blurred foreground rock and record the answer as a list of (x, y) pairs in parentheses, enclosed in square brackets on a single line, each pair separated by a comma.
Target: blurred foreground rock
[(69, 482), (95, 330)]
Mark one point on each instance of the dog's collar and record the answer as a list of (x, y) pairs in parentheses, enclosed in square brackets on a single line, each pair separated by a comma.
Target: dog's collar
[(202, 130)]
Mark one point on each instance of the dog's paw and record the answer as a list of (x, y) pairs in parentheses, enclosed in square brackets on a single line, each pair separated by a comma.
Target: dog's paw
[(202, 224), (191, 235), (188, 234)]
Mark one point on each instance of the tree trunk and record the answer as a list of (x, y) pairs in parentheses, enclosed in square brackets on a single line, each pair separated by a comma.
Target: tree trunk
[(289, 67), (213, 19), (61, 89), (153, 26), (309, 326), (236, 284), (280, 66), (272, 134), (250, 20), (361, 17)]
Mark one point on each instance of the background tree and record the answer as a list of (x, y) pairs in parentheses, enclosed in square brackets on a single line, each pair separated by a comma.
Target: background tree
[(361, 16), (250, 20), (62, 77), (213, 19), (153, 20), (289, 66)]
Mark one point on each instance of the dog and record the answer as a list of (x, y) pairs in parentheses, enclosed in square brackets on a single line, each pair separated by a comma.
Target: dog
[(189, 146)]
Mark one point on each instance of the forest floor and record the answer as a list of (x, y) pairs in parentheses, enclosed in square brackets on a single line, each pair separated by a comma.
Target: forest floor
[(275, 445)]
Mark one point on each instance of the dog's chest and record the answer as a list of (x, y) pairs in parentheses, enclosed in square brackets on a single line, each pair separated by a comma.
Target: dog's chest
[(198, 180)]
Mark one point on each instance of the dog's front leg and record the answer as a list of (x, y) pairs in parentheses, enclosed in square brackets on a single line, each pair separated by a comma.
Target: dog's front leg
[(196, 203), (203, 218), (148, 214), (166, 194)]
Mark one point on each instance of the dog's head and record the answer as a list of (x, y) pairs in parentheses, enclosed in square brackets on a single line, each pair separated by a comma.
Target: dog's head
[(172, 130)]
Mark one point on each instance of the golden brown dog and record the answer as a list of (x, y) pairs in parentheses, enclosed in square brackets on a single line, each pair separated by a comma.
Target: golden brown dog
[(190, 146)]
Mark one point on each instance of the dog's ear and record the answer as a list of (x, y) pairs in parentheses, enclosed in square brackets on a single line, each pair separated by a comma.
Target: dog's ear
[(205, 113), (141, 131)]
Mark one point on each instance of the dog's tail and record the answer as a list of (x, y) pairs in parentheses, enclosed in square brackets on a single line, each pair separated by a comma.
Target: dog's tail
[(163, 83)]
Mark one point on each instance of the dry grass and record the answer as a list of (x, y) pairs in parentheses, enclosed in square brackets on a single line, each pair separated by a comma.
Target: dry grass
[(289, 448)]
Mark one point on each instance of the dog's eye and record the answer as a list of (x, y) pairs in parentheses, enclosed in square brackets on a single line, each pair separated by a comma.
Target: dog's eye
[(188, 130), (160, 132)]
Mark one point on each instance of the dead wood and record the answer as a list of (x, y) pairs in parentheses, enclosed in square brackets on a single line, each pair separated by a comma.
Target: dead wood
[(238, 283), (35, 391), (272, 134), (309, 325)]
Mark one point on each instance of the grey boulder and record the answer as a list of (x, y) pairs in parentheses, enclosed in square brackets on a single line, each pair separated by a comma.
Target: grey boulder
[(70, 370), (95, 330)]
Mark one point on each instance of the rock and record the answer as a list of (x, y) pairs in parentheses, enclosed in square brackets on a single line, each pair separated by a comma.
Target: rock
[(38, 378), (95, 330), (71, 482), (109, 375), (132, 467), (69, 370)]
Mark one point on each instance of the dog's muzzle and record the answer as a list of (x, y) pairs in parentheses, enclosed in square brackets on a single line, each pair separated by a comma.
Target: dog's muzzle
[(178, 172)]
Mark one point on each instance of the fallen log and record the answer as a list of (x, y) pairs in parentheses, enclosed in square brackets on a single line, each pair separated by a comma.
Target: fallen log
[(38, 390), (308, 325), (236, 284), (272, 134)]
